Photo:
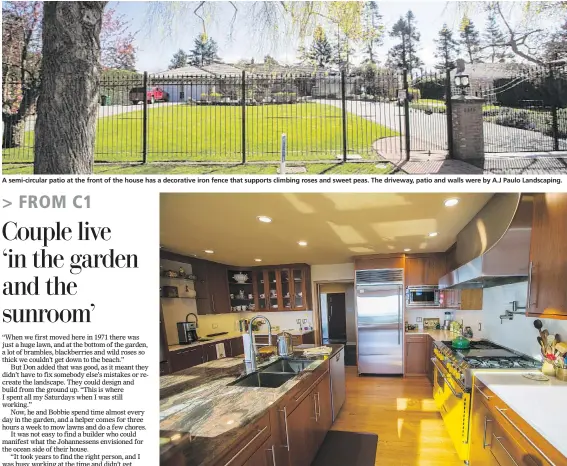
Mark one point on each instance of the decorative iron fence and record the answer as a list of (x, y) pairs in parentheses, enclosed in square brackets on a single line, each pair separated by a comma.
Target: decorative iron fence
[(527, 111), (235, 118)]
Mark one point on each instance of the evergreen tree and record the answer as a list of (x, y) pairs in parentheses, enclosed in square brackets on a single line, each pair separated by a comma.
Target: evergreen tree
[(204, 51), (447, 49), (320, 52), (179, 60), (404, 54), (372, 31), (470, 40), (494, 42), (343, 52)]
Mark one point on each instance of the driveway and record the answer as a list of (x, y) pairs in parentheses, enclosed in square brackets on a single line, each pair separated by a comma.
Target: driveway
[(429, 132)]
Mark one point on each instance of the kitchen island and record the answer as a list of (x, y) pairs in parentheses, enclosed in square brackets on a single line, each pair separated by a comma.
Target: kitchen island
[(206, 421)]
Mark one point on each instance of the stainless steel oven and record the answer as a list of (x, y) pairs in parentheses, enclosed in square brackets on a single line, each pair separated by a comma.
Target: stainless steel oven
[(423, 296)]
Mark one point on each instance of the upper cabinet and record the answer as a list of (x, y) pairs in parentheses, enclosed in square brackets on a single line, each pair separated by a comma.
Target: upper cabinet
[(211, 287), (425, 270), (547, 293), (284, 288)]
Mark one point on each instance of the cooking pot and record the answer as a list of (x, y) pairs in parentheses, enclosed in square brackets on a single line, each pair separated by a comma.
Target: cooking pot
[(461, 343), (285, 344)]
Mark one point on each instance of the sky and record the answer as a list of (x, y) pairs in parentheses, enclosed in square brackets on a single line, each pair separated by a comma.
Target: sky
[(157, 40)]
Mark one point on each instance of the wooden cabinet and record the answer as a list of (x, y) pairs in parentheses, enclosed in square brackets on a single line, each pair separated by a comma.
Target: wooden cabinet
[(416, 355), (547, 293), (471, 300), (283, 288), (324, 411), (304, 339), (482, 426), (381, 261), (499, 437), (234, 347), (264, 456), (424, 270), (186, 358), (211, 287), (210, 351), (301, 430)]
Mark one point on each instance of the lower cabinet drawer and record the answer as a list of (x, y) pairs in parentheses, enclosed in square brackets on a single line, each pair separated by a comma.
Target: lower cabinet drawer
[(247, 446), (507, 451)]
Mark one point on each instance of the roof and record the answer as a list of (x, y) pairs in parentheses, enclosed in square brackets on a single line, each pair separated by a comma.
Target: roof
[(223, 69), (183, 71)]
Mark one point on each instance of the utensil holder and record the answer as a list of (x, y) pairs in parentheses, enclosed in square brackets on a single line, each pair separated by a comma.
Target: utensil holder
[(548, 369), (561, 373)]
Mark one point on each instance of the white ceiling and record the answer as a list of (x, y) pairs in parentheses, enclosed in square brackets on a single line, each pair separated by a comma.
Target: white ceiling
[(337, 226)]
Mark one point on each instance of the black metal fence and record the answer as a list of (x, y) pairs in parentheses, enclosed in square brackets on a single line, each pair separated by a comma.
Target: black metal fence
[(235, 118), (527, 111)]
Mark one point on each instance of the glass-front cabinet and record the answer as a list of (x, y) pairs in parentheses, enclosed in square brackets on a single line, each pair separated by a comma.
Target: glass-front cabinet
[(299, 300), (273, 289)]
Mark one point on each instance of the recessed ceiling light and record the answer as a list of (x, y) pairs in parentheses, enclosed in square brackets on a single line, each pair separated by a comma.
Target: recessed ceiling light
[(258, 260), (433, 234), (209, 251), (302, 243), (407, 250), (264, 219), (451, 202)]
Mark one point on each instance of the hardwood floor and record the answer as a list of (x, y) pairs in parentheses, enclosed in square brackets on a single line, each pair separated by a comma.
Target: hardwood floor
[(403, 414)]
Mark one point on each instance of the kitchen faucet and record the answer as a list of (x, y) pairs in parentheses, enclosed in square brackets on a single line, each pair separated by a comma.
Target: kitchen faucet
[(510, 314), (196, 319), (253, 365)]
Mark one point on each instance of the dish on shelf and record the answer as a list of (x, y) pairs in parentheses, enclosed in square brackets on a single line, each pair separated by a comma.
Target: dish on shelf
[(240, 278)]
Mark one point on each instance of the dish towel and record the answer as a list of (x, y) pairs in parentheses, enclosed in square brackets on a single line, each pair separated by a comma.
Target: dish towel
[(317, 350)]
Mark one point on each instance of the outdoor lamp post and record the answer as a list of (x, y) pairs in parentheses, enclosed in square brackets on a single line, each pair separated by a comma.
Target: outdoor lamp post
[(462, 82)]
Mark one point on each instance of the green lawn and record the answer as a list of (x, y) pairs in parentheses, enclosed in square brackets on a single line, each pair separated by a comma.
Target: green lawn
[(184, 169), (214, 133)]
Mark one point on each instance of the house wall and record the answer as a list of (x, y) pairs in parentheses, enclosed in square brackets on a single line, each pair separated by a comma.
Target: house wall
[(190, 91)]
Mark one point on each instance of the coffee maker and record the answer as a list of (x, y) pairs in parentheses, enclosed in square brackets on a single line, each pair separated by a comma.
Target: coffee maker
[(187, 332)]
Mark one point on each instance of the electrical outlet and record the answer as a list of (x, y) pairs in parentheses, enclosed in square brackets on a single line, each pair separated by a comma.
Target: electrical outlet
[(304, 321), (418, 319), (298, 321), (480, 326), (215, 325)]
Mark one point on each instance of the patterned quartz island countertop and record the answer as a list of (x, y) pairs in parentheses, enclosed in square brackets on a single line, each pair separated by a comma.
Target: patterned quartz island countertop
[(201, 416), (231, 335)]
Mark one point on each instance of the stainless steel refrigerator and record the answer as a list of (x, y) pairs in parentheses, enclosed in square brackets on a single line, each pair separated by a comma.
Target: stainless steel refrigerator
[(380, 321)]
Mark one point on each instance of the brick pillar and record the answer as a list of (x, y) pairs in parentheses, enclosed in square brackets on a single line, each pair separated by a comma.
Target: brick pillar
[(468, 137)]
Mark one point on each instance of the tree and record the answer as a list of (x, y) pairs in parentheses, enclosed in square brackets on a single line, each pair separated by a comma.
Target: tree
[(320, 52), (404, 54), (470, 40), (269, 60), (494, 42), (372, 31), (204, 51), (342, 51), (22, 56), (180, 59), (556, 49), (447, 49), (67, 107)]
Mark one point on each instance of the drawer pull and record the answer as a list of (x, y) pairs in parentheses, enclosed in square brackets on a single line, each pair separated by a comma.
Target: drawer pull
[(260, 432), (501, 411), (284, 411), (504, 448), (486, 421), (482, 393), (273, 455)]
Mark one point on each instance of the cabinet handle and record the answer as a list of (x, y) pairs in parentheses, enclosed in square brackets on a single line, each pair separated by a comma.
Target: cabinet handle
[(273, 454), (504, 448), (501, 411), (486, 421), (315, 407), (260, 432), (213, 300), (482, 393), (530, 276), (318, 405), (284, 411)]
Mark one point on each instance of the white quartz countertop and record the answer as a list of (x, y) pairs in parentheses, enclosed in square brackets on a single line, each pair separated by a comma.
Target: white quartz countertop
[(540, 404)]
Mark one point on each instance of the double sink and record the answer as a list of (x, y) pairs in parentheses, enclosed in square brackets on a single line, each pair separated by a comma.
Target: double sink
[(274, 375)]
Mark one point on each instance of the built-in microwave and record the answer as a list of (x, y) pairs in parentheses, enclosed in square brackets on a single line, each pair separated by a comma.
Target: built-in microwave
[(423, 296)]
